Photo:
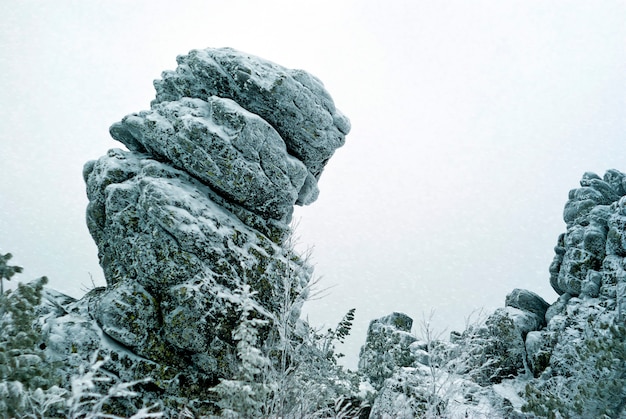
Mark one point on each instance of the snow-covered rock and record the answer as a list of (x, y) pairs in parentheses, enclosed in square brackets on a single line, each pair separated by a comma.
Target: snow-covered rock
[(387, 347), (539, 346), (130, 315), (528, 301), (194, 213), (424, 392), (581, 250), (294, 102), (234, 151), (532, 359)]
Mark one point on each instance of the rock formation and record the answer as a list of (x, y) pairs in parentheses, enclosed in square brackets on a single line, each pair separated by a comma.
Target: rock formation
[(192, 229), (197, 208), (581, 351), (387, 347), (530, 358)]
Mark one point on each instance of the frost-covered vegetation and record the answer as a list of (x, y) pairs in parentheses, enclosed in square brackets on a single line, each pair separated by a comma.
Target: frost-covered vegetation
[(29, 384), (294, 373), (288, 369)]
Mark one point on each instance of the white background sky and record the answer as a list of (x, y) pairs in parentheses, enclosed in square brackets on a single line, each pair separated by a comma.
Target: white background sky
[(471, 121)]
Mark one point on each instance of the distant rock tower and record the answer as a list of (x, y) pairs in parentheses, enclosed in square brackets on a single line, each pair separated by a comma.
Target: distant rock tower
[(569, 357)]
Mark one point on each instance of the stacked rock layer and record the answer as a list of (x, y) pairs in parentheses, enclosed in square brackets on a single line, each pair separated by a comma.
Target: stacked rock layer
[(196, 210)]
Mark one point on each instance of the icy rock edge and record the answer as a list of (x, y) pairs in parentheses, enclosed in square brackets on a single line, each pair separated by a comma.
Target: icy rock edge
[(197, 208), (529, 358)]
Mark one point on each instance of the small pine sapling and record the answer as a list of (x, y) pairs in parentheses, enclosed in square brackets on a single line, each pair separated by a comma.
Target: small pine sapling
[(339, 335), (23, 368)]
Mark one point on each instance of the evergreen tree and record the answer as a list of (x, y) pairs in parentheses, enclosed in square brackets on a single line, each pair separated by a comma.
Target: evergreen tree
[(6, 271), (22, 362), (21, 359)]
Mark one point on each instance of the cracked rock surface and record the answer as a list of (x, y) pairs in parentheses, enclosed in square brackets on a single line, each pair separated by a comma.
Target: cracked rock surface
[(233, 151)]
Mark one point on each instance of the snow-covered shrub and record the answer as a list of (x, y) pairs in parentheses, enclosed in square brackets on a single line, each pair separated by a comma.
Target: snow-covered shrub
[(294, 373), (309, 381), (245, 395), (439, 382), (93, 389), (28, 382), (22, 362), (42, 404), (312, 383), (440, 375), (492, 349)]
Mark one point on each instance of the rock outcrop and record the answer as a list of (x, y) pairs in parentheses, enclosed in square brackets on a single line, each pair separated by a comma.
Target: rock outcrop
[(531, 358), (198, 208), (388, 347), (233, 151), (579, 357)]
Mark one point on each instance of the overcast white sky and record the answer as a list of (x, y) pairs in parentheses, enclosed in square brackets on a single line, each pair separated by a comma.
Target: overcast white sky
[(471, 121)]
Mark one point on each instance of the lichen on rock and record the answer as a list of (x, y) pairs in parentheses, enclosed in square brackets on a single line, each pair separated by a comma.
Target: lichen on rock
[(232, 150)]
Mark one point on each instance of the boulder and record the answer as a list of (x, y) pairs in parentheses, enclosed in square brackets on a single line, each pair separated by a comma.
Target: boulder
[(528, 301), (168, 248), (235, 152), (294, 102), (387, 347), (130, 315)]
